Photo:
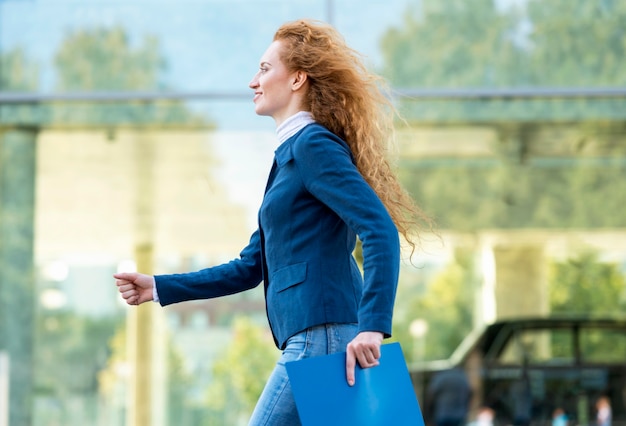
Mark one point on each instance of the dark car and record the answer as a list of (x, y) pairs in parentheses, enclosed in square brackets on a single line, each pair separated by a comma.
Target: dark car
[(534, 366)]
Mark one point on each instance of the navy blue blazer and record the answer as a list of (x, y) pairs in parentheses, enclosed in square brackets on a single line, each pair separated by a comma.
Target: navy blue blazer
[(315, 204)]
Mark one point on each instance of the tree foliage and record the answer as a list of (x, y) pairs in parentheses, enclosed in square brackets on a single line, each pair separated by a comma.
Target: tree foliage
[(446, 304), (548, 163), (551, 161), (113, 381), (512, 192), (106, 60), (577, 42), (241, 372), (461, 44), (450, 44), (70, 351), (17, 72), (586, 285), (96, 60), (476, 44)]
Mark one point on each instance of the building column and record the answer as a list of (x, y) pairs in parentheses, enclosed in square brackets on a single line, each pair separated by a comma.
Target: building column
[(515, 279), (145, 326), (18, 150)]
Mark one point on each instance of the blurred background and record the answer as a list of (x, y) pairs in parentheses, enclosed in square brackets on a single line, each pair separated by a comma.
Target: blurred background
[(128, 141)]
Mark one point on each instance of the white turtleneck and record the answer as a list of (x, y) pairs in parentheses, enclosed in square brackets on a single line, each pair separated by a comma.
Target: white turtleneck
[(293, 124)]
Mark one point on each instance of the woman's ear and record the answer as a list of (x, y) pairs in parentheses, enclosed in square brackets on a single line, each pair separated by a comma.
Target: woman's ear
[(299, 78)]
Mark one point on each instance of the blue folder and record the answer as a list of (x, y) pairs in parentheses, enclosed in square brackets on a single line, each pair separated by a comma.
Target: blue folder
[(382, 395)]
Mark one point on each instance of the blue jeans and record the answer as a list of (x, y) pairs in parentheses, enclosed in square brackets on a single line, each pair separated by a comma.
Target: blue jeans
[(276, 406)]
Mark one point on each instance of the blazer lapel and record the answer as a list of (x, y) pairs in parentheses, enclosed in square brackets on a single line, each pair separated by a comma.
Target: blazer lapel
[(282, 155), (271, 177)]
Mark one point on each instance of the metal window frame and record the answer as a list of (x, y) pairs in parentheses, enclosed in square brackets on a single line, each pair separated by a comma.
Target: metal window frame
[(17, 98)]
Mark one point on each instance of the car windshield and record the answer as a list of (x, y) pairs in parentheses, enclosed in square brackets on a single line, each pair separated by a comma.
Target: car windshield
[(602, 345), (557, 346), (539, 346)]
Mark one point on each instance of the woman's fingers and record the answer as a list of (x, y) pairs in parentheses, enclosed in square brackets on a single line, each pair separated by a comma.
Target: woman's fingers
[(128, 291), (367, 358), (364, 349)]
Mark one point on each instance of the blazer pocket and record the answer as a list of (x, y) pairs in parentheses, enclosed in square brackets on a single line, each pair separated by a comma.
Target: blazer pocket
[(289, 276)]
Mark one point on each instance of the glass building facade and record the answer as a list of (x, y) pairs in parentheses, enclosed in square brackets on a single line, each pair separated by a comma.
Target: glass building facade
[(128, 141)]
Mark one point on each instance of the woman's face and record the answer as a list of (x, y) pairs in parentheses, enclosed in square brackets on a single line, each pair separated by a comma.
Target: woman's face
[(273, 86)]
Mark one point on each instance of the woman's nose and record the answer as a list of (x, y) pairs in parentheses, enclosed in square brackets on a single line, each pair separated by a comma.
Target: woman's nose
[(254, 82)]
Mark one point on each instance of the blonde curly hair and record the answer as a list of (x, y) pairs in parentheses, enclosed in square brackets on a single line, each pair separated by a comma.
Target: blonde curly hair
[(349, 101)]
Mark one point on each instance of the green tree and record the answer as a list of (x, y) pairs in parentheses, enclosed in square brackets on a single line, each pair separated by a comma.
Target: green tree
[(20, 74), (577, 42), (476, 44), (69, 353), (112, 381), (451, 44), (586, 285), (17, 72), (241, 372), (446, 304), (461, 43), (551, 161), (105, 60)]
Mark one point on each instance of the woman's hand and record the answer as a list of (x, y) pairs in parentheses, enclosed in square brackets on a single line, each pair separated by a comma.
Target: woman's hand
[(364, 348), (135, 288)]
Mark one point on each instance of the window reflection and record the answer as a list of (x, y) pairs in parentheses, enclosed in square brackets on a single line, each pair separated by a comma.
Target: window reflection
[(135, 132)]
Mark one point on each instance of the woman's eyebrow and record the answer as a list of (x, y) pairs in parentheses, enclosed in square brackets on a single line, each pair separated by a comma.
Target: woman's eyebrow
[(265, 63)]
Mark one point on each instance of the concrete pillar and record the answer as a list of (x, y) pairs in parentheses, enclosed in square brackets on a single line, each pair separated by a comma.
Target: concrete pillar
[(17, 299), (521, 281), (515, 279), (146, 337), (140, 340)]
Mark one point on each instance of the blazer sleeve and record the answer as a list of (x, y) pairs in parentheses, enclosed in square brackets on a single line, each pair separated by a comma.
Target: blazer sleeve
[(328, 172), (235, 276)]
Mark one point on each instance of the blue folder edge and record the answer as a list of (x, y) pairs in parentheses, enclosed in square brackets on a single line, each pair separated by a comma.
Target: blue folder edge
[(382, 395)]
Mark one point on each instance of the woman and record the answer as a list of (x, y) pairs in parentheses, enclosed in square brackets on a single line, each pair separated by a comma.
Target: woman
[(330, 182)]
